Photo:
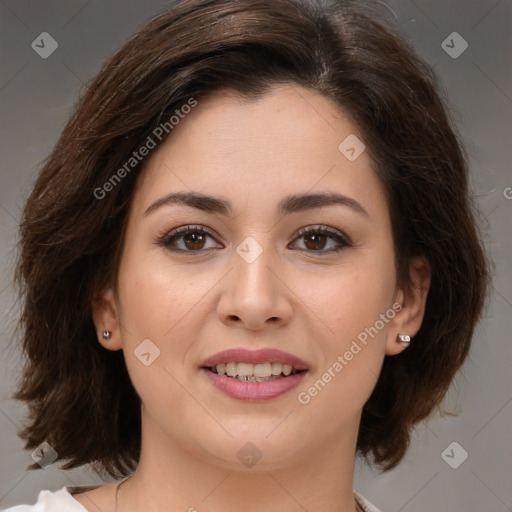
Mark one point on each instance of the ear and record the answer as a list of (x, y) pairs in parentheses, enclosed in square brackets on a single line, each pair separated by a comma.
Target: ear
[(413, 300), (106, 318)]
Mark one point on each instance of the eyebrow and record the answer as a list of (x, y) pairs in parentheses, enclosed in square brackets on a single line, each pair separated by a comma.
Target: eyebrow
[(290, 204)]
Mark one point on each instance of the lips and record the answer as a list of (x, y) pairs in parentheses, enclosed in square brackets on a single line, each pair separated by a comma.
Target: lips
[(253, 388), (243, 355), (253, 391)]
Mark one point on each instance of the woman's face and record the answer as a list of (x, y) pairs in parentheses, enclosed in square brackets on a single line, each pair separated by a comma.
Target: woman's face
[(270, 261)]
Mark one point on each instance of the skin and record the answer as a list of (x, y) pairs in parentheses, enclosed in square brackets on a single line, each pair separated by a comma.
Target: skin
[(310, 303)]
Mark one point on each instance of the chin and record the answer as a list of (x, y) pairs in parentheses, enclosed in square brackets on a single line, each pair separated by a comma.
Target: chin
[(256, 451)]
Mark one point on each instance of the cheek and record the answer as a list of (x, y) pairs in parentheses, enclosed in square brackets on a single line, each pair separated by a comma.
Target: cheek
[(350, 299), (352, 348), (157, 296), (165, 303), (157, 314), (355, 308)]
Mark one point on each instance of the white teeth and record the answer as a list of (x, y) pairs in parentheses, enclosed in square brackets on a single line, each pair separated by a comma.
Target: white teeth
[(263, 370), (231, 369), (254, 372), (277, 368), (245, 370)]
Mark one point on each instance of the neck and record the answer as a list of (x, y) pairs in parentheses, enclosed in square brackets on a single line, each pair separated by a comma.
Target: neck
[(174, 476)]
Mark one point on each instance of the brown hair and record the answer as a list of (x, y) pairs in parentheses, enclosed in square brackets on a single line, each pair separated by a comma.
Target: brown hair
[(80, 397)]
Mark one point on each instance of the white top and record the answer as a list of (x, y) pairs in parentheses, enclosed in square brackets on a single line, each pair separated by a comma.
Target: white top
[(48, 501), (63, 501)]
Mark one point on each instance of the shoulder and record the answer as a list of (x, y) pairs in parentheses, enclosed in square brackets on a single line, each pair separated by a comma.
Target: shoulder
[(51, 501), (364, 504), (63, 501), (79, 498)]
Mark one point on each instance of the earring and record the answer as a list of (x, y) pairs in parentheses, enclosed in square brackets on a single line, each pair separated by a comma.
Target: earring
[(404, 339), (105, 335)]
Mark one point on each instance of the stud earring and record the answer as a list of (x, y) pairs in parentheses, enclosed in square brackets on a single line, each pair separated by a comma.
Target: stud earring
[(404, 339), (105, 335)]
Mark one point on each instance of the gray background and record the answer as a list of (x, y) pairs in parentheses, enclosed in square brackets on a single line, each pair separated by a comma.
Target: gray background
[(36, 98)]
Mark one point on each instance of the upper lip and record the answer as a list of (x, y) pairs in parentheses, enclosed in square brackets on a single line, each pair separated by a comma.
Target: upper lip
[(244, 355)]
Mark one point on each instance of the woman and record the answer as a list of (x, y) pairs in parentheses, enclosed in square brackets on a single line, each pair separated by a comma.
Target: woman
[(250, 257)]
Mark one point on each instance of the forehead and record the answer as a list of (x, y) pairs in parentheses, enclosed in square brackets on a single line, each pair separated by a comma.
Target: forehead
[(285, 142)]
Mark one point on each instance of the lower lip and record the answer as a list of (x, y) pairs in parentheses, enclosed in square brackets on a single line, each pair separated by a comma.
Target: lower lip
[(254, 391)]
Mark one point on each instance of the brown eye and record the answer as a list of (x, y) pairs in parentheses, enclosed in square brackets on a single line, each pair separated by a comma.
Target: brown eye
[(316, 239), (186, 239), (194, 240)]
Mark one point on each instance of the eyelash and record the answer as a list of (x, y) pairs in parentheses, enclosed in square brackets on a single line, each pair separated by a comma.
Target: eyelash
[(175, 234)]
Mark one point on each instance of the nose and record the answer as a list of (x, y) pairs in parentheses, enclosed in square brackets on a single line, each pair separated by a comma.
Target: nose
[(255, 294)]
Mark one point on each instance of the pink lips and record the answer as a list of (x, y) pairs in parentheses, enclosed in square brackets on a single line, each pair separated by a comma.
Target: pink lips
[(254, 391)]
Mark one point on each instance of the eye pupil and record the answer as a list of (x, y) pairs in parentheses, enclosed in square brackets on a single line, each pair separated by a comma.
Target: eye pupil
[(194, 238), (315, 238)]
